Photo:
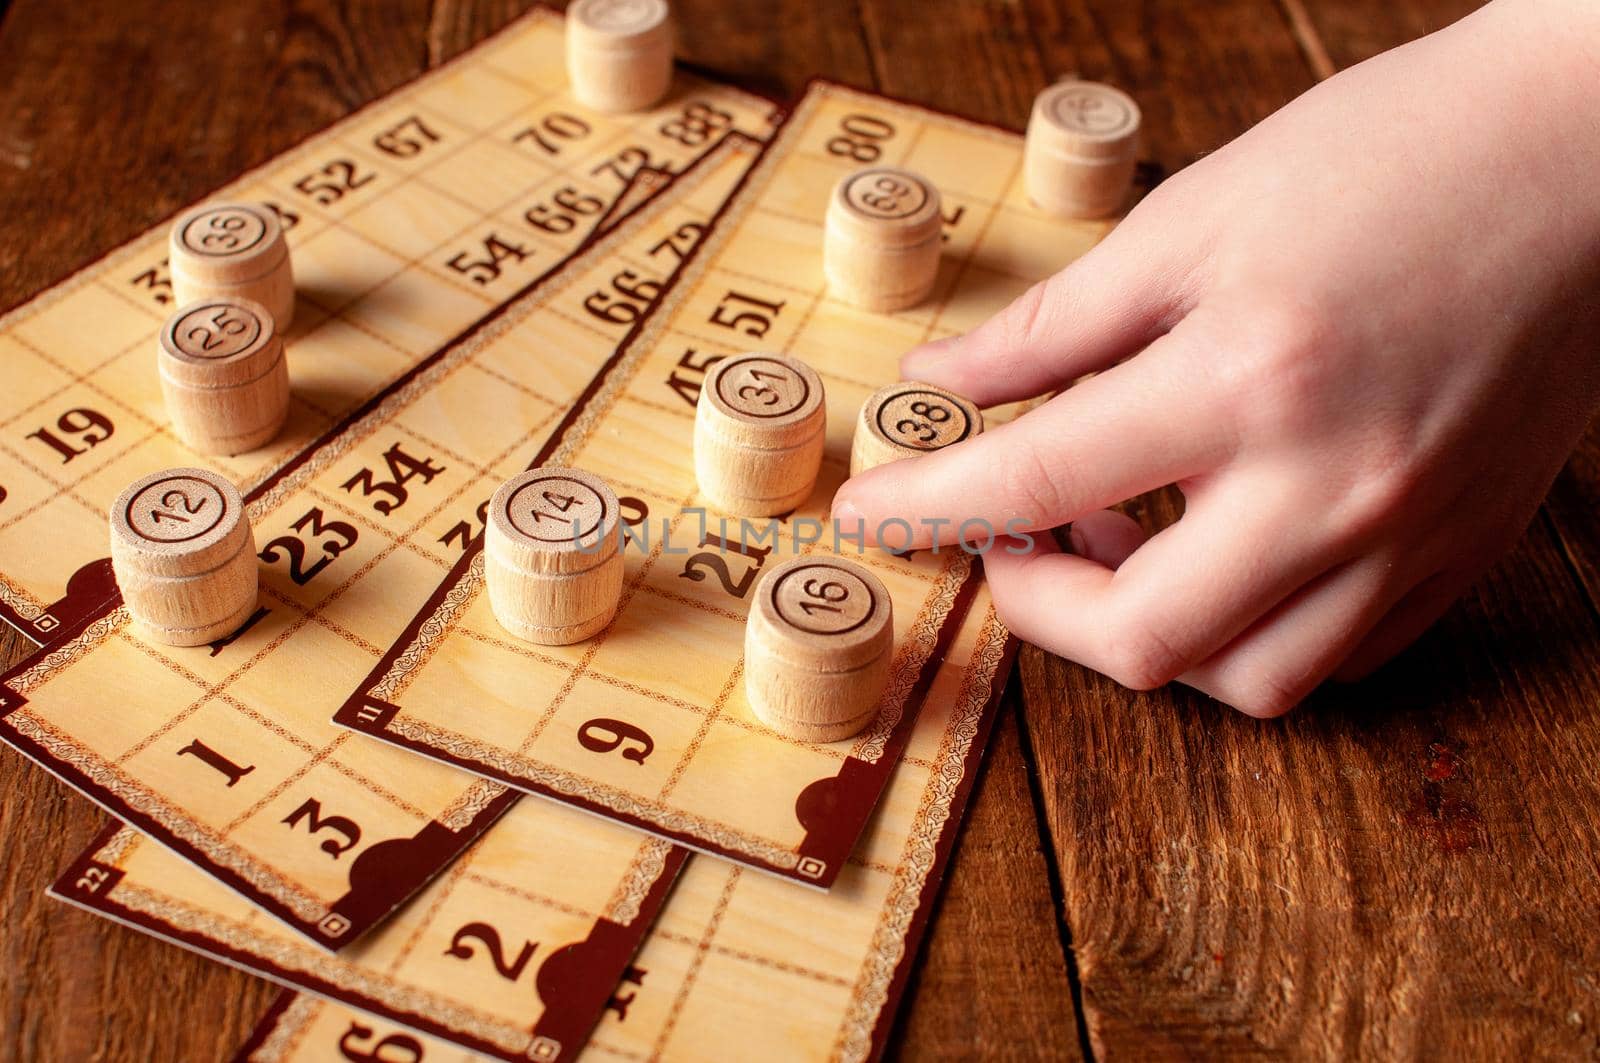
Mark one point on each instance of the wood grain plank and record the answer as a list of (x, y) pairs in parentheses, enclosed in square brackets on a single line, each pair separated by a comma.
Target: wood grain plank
[(111, 118), (773, 49), (1353, 30), (456, 25), (1573, 501), (992, 980), (1201, 73), (1403, 867), (975, 59)]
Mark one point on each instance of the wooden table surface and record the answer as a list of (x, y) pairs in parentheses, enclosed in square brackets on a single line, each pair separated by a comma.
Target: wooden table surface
[(1410, 866)]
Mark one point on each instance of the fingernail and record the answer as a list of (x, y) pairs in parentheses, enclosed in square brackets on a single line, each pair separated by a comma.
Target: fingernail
[(845, 512)]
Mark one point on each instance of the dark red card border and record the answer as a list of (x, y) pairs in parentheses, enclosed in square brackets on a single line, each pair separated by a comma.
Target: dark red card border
[(265, 1025), (574, 978), (829, 838), (928, 899)]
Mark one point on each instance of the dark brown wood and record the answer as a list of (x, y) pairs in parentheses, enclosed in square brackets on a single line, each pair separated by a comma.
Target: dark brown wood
[(1202, 73), (774, 48), (992, 982), (1353, 30), (1573, 504), (1407, 866)]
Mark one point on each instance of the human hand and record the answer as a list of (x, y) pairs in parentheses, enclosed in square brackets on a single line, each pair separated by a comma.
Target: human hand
[(1363, 340)]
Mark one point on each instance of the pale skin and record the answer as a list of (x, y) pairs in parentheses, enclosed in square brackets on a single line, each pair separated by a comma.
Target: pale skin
[(1362, 339)]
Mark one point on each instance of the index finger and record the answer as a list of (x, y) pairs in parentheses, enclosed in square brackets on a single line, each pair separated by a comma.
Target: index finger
[(1136, 427)]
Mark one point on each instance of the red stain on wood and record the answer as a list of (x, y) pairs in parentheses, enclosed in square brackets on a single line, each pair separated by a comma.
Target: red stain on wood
[(1451, 823), (1444, 762)]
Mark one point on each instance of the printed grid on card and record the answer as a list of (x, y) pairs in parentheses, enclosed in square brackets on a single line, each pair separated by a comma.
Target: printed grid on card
[(513, 952), (226, 754), (745, 966), (407, 222), (647, 722)]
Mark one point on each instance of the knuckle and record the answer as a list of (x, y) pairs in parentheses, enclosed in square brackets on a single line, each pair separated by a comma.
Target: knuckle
[(1025, 322), (1267, 696), (1288, 366), (1180, 195), (1029, 483), (1385, 483), (1281, 365), (1139, 657), (1266, 689), (1383, 474)]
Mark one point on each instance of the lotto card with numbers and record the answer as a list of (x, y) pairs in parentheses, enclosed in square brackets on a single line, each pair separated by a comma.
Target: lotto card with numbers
[(225, 753), (407, 223), (514, 951), (647, 722), (742, 965)]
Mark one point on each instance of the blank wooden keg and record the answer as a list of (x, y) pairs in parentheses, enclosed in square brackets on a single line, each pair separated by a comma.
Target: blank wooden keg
[(619, 53), (232, 251), (184, 556), (1083, 141), (907, 419), (817, 648), (759, 430), (223, 375), (882, 239), (552, 555)]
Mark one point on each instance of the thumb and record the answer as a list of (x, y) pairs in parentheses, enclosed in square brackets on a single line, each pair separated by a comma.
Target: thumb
[(1106, 537)]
